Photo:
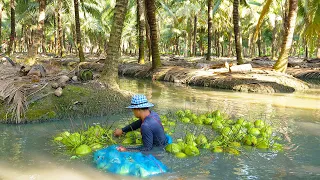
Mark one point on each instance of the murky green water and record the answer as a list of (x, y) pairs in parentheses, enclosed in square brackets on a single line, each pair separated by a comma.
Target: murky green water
[(27, 153)]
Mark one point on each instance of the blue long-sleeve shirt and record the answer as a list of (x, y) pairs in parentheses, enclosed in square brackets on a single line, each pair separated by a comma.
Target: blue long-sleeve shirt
[(152, 132)]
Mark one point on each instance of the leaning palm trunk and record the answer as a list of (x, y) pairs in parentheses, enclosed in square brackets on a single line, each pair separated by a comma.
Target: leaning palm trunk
[(78, 32), (237, 31), (110, 72), (282, 63), (152, 20), (13, 27), (141, 25)]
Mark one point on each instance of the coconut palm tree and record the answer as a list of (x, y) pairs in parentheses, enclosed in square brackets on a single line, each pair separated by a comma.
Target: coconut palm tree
[(152, 21), (141, 28), (39, 33), (210, 5), (78, 31), (110, 72), (290, 21), (1, 10), (236, 29)]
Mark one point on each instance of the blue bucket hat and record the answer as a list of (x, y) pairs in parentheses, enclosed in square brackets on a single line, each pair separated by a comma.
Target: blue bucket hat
[(139, 101)]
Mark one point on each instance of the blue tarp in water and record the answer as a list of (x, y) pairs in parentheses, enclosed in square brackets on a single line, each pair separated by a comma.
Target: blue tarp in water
[(128, 163)]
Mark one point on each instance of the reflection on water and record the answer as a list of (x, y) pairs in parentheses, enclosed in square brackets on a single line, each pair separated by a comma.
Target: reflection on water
[(26, 151)]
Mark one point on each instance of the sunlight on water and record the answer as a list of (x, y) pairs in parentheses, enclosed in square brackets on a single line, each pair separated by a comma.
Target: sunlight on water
[(26, 151)]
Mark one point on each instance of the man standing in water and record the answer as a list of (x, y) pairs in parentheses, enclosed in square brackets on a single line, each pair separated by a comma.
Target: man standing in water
[(149, 123)]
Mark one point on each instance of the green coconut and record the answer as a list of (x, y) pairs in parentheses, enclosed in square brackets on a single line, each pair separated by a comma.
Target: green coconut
[(258, 123), (226, 131), (216, 125), (96, 146), (171, 123), (127, 141), (241, 122), (139, 141), (182, 145), (192, 151), (254, 131), (181, 155), (190, 137), (232, 151), (234, 144), (58, 139), (201, 139), (215, 143), (173, 148), (185, 120), (198, 121), (208, 121), (193, 117), (83, 150), (264, 144), (217, 149)]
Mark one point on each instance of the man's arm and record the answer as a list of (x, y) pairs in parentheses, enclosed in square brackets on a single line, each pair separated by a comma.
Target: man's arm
[(133, 126)]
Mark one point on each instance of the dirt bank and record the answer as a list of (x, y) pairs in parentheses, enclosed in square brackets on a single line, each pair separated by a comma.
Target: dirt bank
[(257, 80)]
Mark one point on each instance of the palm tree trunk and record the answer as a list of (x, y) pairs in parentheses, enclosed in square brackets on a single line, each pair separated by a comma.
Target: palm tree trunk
[(141, 28), (151, 13), (13, 26), (195, 36), (78, 32), (1, 9), (38, 33), (274, 35), (210, 6), (148, 40), (110, 72), (259, 44), (290, 21), (237, 31), (59, 30), (189, 37), (305, 50), (230, 44)]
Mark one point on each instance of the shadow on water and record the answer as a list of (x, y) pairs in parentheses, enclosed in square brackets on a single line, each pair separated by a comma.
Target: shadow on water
[(26, 151)]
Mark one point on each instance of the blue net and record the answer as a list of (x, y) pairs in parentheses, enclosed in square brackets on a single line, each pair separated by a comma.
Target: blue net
[(128, 163)]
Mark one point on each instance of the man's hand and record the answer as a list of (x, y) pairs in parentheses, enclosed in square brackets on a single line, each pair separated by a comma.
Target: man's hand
[(121, 149), (118, 132)]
